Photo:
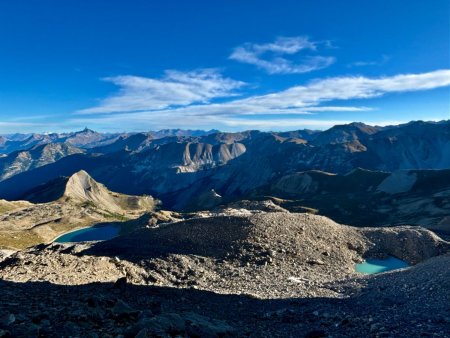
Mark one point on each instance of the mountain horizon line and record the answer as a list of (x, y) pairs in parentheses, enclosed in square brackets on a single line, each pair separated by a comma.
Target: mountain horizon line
[(213, 131)]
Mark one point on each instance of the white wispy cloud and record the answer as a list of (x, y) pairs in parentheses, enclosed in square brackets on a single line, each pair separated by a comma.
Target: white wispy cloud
[(17, 124), (308, 99), (31, 118), (7, 127), (174, 89), (269, 56), (296, 123), (380, 62)]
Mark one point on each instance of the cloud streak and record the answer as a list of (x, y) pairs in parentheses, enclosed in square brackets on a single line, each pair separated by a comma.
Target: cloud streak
[(382, 61), (174, 89), (285, 106), (309, 97), (270, 56)]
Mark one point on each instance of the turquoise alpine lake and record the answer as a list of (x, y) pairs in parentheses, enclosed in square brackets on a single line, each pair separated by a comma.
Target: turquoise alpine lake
[(102, 233), (371, 266)]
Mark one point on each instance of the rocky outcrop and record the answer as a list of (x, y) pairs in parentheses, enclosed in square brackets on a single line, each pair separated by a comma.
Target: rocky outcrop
[(82, 188)]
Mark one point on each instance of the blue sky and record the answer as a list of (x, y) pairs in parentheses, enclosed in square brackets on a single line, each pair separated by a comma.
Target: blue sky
[(231, 65)]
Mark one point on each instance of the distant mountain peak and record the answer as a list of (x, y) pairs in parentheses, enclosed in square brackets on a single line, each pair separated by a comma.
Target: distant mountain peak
[(86, 130)]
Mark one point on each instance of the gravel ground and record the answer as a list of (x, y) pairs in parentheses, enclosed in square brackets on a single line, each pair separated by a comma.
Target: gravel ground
[(235, 273)]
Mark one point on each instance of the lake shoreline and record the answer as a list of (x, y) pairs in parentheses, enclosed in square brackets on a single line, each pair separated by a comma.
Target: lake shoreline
[(92, 228)]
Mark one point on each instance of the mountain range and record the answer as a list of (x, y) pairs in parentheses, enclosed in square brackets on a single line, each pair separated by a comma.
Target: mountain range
[(194, 170)]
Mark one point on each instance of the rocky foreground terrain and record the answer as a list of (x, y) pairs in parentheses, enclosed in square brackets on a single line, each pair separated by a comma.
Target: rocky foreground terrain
[(230, 273)]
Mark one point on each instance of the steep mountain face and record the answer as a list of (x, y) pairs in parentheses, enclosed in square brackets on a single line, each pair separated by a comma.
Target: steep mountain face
[(197, 156), (183, 157), (145, 141), (38, 156), (82, 188), (417, 145)]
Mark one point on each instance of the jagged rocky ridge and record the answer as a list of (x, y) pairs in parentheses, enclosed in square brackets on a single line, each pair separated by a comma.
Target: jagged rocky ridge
[(85, 139)]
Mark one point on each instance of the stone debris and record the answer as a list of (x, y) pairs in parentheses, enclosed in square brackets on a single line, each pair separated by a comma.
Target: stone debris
[(256, 274)]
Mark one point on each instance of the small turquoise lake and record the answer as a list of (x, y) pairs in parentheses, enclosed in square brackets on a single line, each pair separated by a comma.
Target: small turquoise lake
[(90, 234), (371, 266)]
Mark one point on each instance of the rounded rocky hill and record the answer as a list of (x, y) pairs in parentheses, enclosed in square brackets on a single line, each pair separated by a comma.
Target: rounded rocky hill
[(257, 252)]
